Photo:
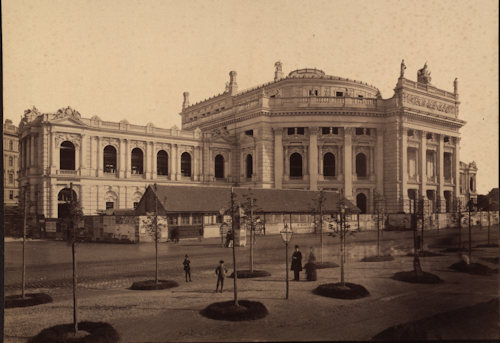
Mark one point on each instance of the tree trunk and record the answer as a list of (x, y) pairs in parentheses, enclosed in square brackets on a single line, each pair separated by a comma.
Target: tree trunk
[(75, 298), (23, 281), (234, 226), (342, 239), (251, 235)]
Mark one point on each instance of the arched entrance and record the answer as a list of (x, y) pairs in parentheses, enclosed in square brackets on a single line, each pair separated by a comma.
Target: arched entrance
[(361, 202), (63, 199), (219, 167), (296, 165)]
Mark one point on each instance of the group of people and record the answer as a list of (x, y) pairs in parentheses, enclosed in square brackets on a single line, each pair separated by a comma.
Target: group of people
[(221, 269), (310, 266)]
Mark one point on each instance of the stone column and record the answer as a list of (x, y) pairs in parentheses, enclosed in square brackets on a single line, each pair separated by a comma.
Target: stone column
[(100, 158), (53, 201), (320, 164), (83, 155), (227, 167), (404, 169), (121, 159), (54, 151), (178, 174), (195, 163), (154, 161), (128, 161), (440, 189), (278, 158), (32, 152), (423, 164), (457, 166), (78, 151), (93, 167), (313, 159), (147, 159), (173, 162), (380, 161), (348, 163)]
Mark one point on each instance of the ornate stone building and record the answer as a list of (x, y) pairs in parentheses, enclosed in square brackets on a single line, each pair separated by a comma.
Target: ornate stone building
[(10, 163), (304, 130)]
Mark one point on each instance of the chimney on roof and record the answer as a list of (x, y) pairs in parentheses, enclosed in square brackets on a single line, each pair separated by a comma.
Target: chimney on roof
[(278, 72), (233, 85), (185, 103)]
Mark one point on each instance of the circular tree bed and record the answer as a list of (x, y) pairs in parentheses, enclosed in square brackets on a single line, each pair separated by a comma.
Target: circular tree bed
[(88, 332), (247, 310), (30, 299), (473, 268), (323, 265), (149, 285), (425, 253), (377, 258), (491, 245), (454, 249), (413, 277), (335, 290), (246, 274), (493, 260)]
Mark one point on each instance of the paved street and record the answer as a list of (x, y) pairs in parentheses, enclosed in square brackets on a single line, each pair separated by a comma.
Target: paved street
[(173, 315)]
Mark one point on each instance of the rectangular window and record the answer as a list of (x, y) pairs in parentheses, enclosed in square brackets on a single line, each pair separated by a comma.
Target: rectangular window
[(339, 93), (291, 131), (335, 130), (300, 130), (110, 205), (360, 96), (412, 162), (172, 220), (249, 132), (135, 204), (184, 219), (197, 218), (325, 130), (430, 163), (11, 195), (359, 131), (11, 178)]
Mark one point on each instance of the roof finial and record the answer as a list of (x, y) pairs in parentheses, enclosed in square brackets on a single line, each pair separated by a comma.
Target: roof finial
[(403, 67), (278, 72)]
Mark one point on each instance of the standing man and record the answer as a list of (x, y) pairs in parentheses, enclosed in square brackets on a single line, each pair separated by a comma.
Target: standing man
[(221, 275), (296, 263), (187, 268)]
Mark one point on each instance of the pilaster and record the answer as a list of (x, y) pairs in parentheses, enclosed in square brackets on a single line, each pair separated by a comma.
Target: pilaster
[(313, 158), (423, 164), (440, 189), (380, 161), (348, 163), (278, 158)]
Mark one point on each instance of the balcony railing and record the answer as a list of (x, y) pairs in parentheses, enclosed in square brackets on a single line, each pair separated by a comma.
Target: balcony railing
[(323, 101), (67, 172)]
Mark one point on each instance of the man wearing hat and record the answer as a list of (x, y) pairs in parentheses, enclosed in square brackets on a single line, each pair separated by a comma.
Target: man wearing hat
[(296, 263), (221, 275)]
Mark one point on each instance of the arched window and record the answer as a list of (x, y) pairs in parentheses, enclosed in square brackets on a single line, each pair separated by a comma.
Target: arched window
[(185, 164), (67, 156), (249, 162), (109, 158), (329, 164), (296, 165), (137, 161), (219, 166), (361, 202), (11, 145), (361, 165), (162, 163)]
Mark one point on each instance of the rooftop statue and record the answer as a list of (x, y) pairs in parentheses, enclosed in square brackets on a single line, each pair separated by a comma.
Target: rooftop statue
[(424, 75), (403, 67)]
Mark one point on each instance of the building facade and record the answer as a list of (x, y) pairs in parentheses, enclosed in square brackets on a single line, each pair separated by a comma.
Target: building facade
[(305, 130), (10, 163)]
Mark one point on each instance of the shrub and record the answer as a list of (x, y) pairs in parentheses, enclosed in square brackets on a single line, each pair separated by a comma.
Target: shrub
[(247, 310), (149, 285), (99, 332), (412, 277), (334, 290), (377, 258), (246, 274), (473, 268), (31, 299)]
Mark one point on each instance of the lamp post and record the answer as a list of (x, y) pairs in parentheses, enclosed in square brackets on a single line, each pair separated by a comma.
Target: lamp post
[(286, 236), (342, 240)]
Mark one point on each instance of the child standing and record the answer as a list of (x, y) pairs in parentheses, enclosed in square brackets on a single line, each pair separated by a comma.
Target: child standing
[(221, 275), (187, 268)]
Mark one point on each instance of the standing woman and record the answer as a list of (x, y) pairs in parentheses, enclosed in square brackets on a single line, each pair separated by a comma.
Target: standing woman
[(311, 267), (296, 263)]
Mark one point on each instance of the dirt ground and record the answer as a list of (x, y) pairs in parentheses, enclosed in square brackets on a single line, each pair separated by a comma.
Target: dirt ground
[(173, 315)]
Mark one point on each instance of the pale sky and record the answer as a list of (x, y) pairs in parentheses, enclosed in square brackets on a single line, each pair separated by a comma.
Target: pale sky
[(132, 60)]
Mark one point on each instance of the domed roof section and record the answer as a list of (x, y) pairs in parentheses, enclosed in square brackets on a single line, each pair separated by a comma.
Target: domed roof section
[(307, 72)]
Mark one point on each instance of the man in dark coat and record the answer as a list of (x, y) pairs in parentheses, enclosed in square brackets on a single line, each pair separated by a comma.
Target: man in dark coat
[(187, 267), (296, 263), (221, 275)]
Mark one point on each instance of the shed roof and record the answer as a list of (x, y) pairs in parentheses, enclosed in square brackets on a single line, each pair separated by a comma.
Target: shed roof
[(206, 199)]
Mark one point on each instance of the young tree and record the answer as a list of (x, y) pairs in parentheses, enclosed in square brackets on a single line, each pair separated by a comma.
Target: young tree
[(342, 229), (235, 221), (75, 214), (154, 228), (249, 207), (320, 203)]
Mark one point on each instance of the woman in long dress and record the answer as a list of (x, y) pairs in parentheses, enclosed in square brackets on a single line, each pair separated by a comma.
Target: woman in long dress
[(311, 267)]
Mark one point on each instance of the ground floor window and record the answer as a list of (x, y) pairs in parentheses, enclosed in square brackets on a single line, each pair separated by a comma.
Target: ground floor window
[(110, 205)]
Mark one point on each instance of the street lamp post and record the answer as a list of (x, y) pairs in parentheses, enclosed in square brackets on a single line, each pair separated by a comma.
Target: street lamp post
[(286, 236), (342, 240)]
